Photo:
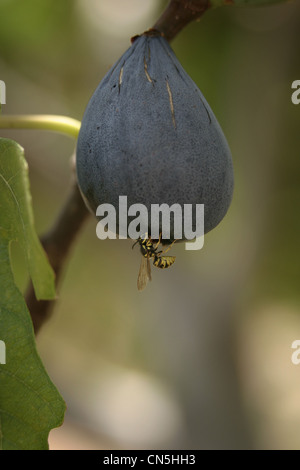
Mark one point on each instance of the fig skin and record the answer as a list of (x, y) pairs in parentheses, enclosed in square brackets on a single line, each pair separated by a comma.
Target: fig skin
[(149, 134)]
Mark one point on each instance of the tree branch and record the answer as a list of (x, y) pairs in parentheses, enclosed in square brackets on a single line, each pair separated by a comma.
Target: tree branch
[(57, 243), (178, 14)]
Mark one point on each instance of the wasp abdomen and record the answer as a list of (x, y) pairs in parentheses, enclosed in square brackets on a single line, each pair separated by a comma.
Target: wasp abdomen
[(164, 261)]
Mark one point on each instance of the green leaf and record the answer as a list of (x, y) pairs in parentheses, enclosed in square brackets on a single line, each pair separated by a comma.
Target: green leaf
[(16, 217), (30, 405)]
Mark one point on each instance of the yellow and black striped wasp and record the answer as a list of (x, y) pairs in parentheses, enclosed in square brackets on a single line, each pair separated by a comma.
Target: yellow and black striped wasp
[(149, 250)]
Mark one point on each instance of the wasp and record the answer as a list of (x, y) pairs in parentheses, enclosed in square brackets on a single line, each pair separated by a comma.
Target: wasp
[(150, 250)]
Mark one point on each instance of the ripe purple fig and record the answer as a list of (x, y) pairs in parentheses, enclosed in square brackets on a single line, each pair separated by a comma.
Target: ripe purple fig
[(148, 133)]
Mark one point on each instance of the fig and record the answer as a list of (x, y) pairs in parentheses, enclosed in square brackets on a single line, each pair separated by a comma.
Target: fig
[(149, 134)]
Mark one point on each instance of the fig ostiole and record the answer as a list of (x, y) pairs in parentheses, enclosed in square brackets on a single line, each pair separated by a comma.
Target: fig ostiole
[(149, 134)]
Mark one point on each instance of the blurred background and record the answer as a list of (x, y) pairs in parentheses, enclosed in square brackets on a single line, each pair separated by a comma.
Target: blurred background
[(202, 358)]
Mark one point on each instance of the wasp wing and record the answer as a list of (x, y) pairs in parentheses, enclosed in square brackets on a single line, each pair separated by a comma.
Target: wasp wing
[(149, 269), (144, 273)]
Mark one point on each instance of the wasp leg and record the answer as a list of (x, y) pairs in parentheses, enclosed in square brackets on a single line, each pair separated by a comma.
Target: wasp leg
[(169, 247), (159, 240)]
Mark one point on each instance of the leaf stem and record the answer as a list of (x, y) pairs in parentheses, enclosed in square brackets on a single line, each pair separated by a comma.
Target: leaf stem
[(63, 124)]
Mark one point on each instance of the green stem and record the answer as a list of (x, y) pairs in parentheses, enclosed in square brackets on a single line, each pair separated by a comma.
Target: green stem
[(62, 124)]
